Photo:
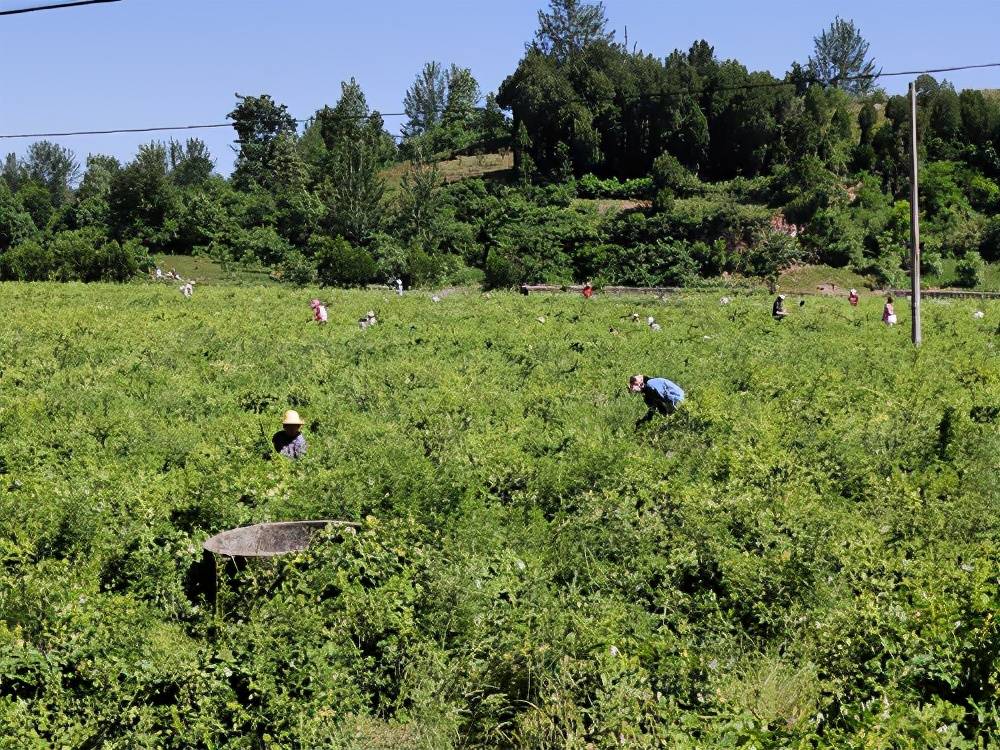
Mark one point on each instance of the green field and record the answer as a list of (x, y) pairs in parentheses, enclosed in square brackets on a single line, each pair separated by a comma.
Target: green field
[(805, 555)]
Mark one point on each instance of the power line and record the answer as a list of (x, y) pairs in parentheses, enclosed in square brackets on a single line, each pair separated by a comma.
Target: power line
[(56, 6), (655, 94), (165, 128)]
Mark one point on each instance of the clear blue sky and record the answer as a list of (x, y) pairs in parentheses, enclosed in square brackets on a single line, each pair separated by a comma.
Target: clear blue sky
[(143, 63)]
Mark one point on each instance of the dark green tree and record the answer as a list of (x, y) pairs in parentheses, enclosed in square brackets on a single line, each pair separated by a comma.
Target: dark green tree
[(264, 130), (569, 26), (357, 150), (53, 166), (15, 223), (12, 172), (840, 58), (425, 100), (190, 163), (143, 199)]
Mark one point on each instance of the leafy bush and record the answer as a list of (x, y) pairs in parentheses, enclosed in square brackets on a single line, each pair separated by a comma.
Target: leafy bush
[(340, 264), (296, 269), (590, 186), (989, 246), (28, 261), (969, 270)]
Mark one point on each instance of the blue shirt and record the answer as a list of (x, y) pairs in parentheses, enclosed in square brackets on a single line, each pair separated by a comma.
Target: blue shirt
[(293, 448), (661, 389)]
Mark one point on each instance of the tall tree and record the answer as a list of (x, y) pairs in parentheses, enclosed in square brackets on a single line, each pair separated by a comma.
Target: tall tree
[(53, 166), (570, 26), (357, 149), (263, 128), (142, 198), (462, 97), (840, 53), (190, 163), (425, 100), (12, 172), (15, 223)]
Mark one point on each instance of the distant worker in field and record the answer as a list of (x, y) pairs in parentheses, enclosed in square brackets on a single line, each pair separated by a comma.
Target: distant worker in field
[(853, 298), (319, 312), (660, 395), (289, 440), (368, 320), (778, 310), (588, 290), (888, 312), (399, 287), (188, 289)]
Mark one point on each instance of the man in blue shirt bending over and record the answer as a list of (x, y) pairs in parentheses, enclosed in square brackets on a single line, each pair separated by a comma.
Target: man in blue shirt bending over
[(659, 394)]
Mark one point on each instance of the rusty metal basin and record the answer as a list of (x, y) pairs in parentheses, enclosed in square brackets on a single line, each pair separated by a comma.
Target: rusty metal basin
[(269, 539)]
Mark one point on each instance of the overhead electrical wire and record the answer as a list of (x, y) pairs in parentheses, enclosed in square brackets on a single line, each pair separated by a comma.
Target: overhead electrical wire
[(174, 128), (54, 6), (678, 92)]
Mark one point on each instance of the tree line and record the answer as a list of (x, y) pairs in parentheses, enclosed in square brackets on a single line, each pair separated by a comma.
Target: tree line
[(719, 168)]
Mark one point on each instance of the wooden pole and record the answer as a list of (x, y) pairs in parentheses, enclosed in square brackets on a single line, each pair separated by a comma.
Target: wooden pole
[(914, 221)]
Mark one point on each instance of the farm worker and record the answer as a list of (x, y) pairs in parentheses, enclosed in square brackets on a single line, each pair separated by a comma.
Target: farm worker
[(853, 298), (659, 394), (524, 290), (588, 290), (319, 311), (159, 274), (399, 287), (188, 289), (289, 440), (368, 320), (888, 313), (778, 311)]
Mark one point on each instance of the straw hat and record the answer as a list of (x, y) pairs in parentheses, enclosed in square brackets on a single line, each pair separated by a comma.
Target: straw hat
[(292, 417)]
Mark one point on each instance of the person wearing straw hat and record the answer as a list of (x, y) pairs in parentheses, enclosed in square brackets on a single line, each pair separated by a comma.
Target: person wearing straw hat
[(319, 311), (289, 440), (853, 298)]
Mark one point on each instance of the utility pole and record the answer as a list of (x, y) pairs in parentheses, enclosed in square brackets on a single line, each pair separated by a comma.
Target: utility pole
[(914, 220)]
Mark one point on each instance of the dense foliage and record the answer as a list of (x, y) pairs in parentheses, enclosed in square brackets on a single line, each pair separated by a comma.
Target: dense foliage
[(719, 169), (804, 556)]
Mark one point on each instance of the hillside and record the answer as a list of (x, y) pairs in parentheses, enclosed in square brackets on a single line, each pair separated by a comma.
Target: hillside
[(462, 167)]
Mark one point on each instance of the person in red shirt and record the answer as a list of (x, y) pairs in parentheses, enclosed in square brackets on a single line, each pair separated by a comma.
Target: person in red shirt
[(588, 290), (853, 298)]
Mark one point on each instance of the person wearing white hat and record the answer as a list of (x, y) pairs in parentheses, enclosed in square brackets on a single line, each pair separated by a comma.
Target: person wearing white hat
[(289, 440), (853, 298), (778, 311)]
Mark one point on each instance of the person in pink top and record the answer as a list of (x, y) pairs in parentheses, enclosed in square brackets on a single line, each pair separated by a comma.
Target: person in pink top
[(853, 298), (319, 311), (888, 312)]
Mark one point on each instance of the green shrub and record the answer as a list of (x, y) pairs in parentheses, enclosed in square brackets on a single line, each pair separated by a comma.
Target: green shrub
[(969, 271), (87, 255), (989, 245), (340, 264), (590, 186), (28, 261), (295, 268)]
